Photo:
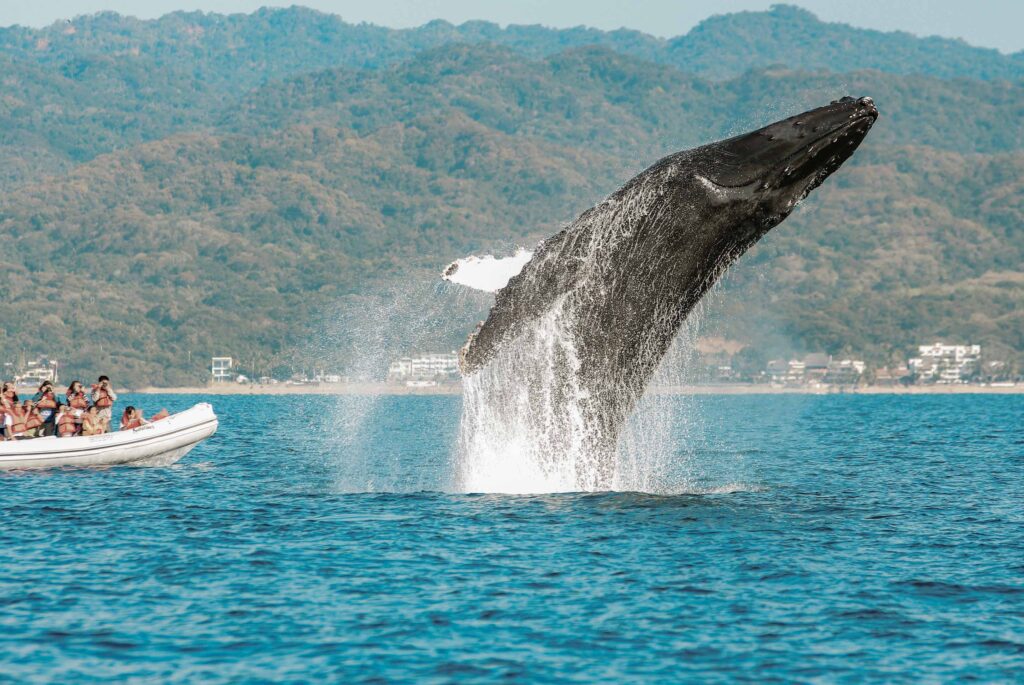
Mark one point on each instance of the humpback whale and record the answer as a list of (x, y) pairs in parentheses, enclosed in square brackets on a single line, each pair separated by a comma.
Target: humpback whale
[(577, 334)]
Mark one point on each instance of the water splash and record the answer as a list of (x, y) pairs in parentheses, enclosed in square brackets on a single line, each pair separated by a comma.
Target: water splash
[(360, 337), (657, 451), (519, 436), (525, 426)]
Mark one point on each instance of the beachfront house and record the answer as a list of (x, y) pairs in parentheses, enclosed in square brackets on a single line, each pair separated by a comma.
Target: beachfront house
[(945, 364), (220, 369)]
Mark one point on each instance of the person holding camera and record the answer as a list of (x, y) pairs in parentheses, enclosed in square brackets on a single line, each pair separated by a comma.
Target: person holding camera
[(103, 398), (46, 403)]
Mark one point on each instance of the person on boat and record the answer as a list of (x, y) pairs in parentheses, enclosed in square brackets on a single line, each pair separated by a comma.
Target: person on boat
[(6, 422), (7, 410), (25, 421), (77, 401), (15, 422), (3, 423), (33, 419), (46, 403), (132, 418), (92, 422), (8, 397), (67, 423), (103, 397)]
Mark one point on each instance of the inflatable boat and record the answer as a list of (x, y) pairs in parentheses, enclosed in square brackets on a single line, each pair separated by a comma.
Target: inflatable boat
[(156, 444)]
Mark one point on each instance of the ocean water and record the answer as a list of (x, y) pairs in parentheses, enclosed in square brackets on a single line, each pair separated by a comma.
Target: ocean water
[(809, 539)]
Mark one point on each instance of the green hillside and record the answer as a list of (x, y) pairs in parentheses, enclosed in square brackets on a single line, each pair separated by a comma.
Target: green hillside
[(103, 82), (153, 215)]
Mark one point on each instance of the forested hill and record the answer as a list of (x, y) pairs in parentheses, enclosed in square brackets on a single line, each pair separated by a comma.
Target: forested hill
[(238, 50), (170, 193)]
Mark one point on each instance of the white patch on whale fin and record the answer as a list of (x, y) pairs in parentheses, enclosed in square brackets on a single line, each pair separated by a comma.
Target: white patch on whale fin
[(487, 273)]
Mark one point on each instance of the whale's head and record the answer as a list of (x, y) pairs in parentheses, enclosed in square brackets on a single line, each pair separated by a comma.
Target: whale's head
[(766, 172), (700, 209)]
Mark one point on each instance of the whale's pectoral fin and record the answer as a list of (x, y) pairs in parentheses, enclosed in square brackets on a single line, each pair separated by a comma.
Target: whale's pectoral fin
[(488, 273), (527, 295)]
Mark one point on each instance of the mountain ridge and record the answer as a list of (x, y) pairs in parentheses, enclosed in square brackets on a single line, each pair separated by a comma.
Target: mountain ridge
[(784, 34)]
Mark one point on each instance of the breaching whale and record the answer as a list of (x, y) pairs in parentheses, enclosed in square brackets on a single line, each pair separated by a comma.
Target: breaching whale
[(586, 321)]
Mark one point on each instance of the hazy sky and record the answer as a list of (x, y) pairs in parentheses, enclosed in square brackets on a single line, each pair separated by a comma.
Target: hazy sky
[(989, 23)]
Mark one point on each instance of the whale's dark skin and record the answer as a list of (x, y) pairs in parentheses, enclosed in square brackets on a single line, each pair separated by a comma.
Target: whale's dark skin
[(622, 278)]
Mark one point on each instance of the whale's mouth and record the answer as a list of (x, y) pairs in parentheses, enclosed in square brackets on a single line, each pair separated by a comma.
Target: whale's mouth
[(824, 155), (796, 153)]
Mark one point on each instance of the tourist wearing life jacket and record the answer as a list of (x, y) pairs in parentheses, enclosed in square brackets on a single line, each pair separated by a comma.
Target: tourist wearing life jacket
[(8, 397), (132, 419), (103, 398), (25, 420), (16, 429), (33, 419), (92, 423), (77, 401), (5, 422), (67, 423), (9, 402), (46, 403)]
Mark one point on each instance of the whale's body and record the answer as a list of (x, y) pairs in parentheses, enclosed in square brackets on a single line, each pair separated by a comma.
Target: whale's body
[(581, 329)]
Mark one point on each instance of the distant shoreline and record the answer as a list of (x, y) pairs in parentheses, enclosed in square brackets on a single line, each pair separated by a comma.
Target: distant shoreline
[(456, 389)]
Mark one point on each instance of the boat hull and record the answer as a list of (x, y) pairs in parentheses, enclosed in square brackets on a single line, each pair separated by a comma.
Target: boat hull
[(156, 444)]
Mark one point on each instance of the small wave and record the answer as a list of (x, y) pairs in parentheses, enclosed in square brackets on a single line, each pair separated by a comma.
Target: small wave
[(538, 488), (693, 490), (729, 489)]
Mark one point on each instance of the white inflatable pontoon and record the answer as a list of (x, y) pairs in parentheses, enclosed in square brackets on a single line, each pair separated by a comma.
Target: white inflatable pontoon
[(157, 444)]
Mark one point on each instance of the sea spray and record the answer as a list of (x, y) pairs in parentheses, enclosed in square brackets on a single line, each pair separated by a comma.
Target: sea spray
[(657, 449), (360, 337), (519, 435), (524, 431), (524, 428)]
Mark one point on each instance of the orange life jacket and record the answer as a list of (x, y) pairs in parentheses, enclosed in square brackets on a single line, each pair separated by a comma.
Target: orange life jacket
[(162, 414), (47, 401), (101, 398), (66, 424), (19, 417), (33, 420), (129, 424), (78, 401)]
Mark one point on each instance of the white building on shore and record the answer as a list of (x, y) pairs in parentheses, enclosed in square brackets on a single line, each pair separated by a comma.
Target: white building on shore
[(425, 367), (946, 364), (220, 369), (34, 372)]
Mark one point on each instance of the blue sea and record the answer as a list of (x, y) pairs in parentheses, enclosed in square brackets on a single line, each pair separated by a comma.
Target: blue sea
[(827, 539)]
